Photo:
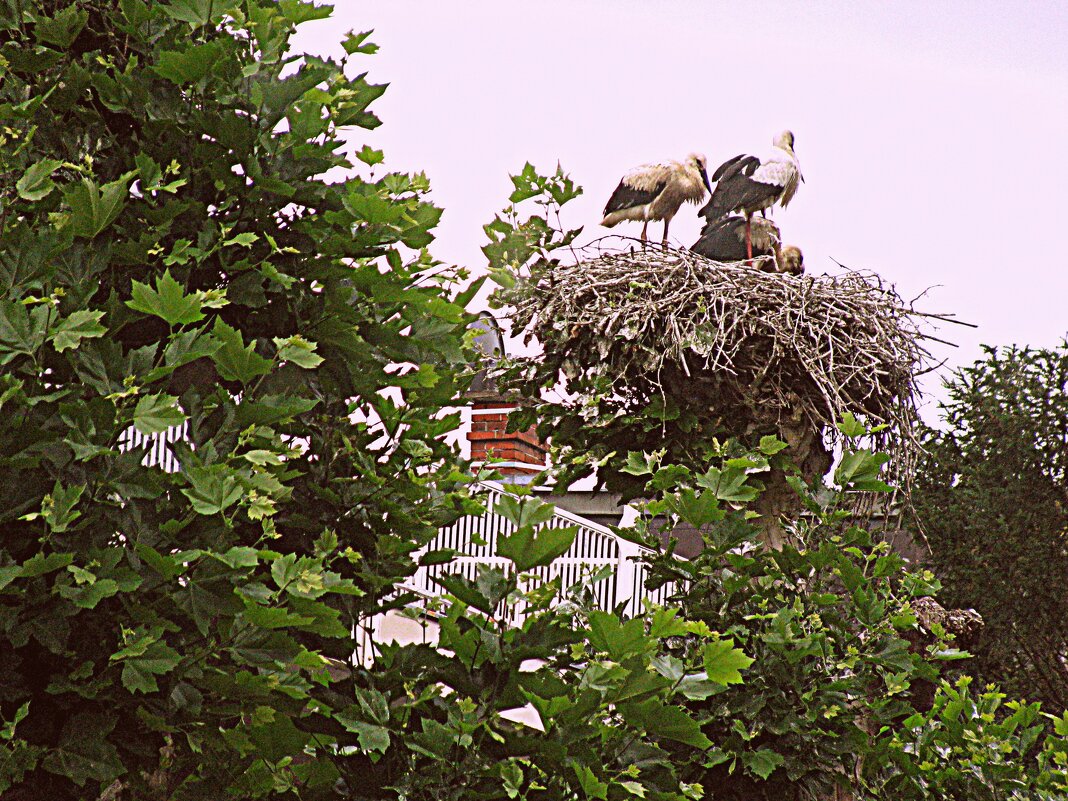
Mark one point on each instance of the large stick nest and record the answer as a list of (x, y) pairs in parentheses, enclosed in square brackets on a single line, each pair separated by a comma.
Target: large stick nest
[(758, 350)]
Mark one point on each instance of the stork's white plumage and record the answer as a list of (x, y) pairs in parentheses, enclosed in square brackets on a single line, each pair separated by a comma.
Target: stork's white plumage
[(747, 184), (657, 191)]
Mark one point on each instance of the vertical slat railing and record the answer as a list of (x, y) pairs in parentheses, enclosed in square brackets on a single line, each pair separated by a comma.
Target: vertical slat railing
[(595, 547)]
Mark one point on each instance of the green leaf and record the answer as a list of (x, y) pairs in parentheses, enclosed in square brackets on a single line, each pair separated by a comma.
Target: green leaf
[(617, 638), (531, 547), (661, 720), (88, 596), (41, 563), (36, 183), (68, 332), (357, 43), (85, 751), (370, 736), (370, 156), (763, 762), (850, 426), (62, 29), (155, 414), (247, 239), (299, 351), (591, 785), (770, 445), (167, 301), (94, 208), (57, 510), (639, 464), (234, 360), (723, 662), (213, 489), (187, 66)]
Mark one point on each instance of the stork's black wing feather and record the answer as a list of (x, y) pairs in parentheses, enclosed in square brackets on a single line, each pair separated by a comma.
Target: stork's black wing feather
[(746, 165), (736, 191), (627, 197), (724, 240)]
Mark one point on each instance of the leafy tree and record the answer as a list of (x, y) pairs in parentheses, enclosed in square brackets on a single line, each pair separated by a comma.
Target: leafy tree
[(992, 499), (847, 695), (171, 254)]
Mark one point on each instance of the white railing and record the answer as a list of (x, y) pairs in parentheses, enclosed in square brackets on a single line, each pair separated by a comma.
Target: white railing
[(474, 539), (158, 452)]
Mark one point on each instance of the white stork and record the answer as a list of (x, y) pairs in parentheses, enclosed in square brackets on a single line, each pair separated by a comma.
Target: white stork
[(656, 191), (747, 184)]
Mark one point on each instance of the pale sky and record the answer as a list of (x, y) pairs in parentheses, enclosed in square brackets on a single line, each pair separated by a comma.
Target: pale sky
[(933, 136)]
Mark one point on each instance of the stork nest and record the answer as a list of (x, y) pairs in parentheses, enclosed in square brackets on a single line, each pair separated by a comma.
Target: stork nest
[(759, 351)]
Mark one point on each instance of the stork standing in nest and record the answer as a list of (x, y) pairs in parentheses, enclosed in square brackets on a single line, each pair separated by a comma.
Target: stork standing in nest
[(747, 184), (657, 191)]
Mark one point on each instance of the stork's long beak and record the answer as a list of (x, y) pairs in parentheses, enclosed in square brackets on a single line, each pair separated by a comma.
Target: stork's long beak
[(704, 177)]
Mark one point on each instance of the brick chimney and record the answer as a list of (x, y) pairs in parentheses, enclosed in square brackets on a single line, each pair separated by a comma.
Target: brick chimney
[(515, 454)]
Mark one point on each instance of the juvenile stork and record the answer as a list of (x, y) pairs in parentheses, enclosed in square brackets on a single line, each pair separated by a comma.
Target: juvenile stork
[(747, 184), (657, 191)]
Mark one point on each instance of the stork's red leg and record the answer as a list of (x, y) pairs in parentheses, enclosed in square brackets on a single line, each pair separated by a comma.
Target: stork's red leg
[(645, 226), (748, 240), (667, 222)]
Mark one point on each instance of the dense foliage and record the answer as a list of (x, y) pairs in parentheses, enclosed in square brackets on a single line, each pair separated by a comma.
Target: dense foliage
[(992, 499), (848, 696), (169, 255)]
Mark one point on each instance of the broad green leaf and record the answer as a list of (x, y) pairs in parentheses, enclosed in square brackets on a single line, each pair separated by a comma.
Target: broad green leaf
[(662, 720), (190, 65), (68, 332), (36, 183), (639, 464), (723, 662), (369, 155), (42, 563), (168, 301), (157, 413), (61, 29), (591, 785), (88, 596), (85, 752), (850, 426), (57, 508), (299, 351), (666, 623), (213, 489), (531, 546), (370, 736), (246, 239), (771, 445), (234, 360), (22, 329), (357, 43), (763, 762), (94, 208), (617, 638)]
